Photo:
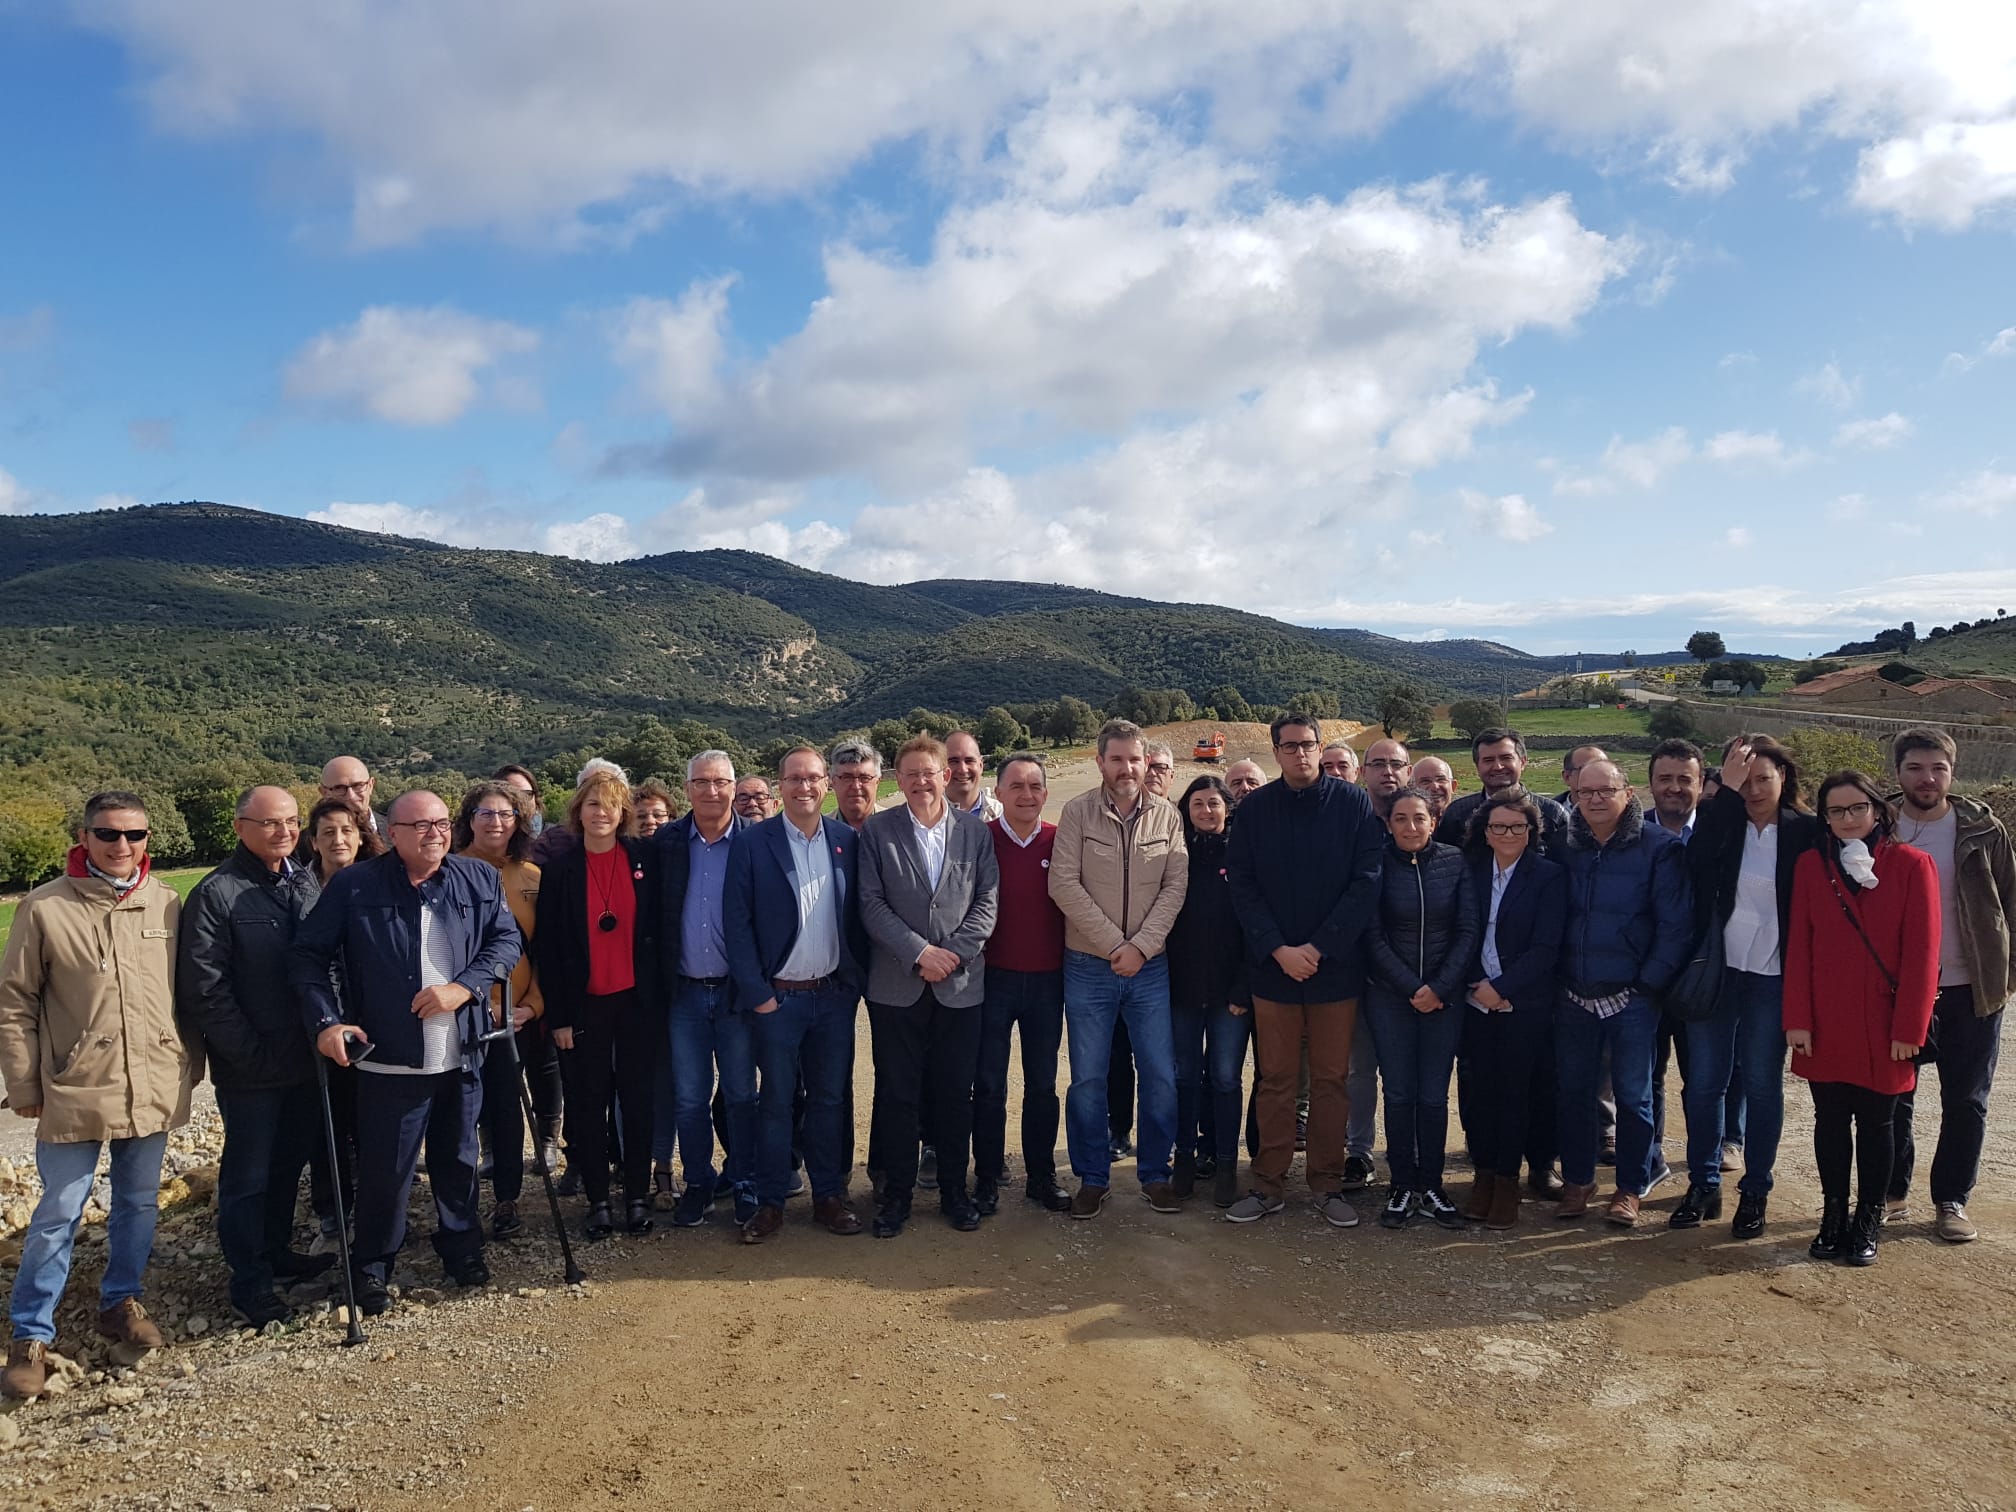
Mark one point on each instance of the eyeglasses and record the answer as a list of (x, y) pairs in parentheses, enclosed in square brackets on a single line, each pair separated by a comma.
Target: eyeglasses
[(1301, 747), (495, 816), (271, 826), (855, 779), (710, 782), (347, 787), (1506, 831), (426, 826), (1160, 766), (1598, 792), (108, 836), (1847, 811)]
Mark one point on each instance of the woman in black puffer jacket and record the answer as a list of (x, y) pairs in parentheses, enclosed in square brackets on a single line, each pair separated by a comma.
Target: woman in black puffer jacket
[(1210, 1007), (1421, 957)]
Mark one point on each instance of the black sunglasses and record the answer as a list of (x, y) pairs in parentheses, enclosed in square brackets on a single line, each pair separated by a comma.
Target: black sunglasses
[(109, 835)]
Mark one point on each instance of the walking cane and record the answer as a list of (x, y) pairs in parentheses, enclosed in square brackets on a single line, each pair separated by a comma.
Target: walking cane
[(573, 1273), (355, 1334)]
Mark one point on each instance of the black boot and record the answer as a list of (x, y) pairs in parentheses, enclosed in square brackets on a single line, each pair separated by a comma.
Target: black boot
[(1833, 1235), (1702, 1204), (1862, 1231), (1184, 1177)]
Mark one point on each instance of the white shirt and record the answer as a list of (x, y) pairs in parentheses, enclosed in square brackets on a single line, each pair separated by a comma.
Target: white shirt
[(1501, 878), (816, 951), (1034, 835), (1938, 838), (1750, 938), (438, 1051), (932, 839)]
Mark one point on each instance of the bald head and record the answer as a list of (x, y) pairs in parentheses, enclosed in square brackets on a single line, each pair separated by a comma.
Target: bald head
[(1437, 779), (348, 778), (1577, 759), (1243, 777), (1387, 768), (268, 824)]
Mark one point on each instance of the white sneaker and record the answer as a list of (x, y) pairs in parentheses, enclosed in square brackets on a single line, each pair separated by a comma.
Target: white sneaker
[(1337, 1212)]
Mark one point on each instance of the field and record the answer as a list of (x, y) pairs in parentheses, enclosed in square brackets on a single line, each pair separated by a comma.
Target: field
[(1607, 720), (180, 878)]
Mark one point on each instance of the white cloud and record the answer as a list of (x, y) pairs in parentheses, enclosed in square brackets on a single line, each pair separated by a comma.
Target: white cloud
[(1737, 361), (397, 519), (1878, 434), (114, 501), (1636, 464), (599, 538), (1985, 493), (407, 366), (1737, 536), (14, 496), (1852, 506), (28, 331), (1827, 386), (425, 110), (1758, 448), (2001, 344), (675, 348), (1508, 517), (1425, 540)]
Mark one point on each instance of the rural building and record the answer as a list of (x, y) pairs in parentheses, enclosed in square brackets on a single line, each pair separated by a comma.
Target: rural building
[(1860, 688)]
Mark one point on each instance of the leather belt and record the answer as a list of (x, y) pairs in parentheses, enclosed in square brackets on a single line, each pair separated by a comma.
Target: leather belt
[(720, 981), (814, 984)]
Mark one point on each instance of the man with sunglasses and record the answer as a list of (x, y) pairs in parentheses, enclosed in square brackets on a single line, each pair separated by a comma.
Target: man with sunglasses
[(232, 993), (89, 1048), (421, 936)]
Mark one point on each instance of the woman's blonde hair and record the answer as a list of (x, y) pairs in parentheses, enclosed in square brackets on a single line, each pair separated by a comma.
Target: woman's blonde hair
[(609, 787)]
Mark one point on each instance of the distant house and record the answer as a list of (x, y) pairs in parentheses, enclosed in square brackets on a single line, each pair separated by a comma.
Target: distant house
[(1861, 689)]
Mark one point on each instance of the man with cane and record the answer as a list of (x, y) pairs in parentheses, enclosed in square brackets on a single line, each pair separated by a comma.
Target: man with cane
[(422, 935)]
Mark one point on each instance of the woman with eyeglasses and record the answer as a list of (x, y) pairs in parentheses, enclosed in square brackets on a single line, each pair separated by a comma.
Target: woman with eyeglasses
[(336, 835), (1209, 1004), (1421, 951), (1861, 971), (1521, 898), (494, 824), (596, 923)]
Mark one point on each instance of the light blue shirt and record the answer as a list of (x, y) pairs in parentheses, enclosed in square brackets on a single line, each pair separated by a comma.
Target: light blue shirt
[(1501, 878), (932, 840), (816, 951), (703, 947)]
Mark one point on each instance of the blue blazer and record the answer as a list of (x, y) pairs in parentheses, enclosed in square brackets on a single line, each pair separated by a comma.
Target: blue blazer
[(1532, 919), (759, 907)]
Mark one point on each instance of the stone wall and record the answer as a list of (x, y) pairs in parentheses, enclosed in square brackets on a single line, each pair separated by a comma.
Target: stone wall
[(1987, 752)]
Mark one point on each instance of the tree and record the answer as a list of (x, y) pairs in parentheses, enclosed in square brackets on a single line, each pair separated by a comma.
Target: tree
[(1317, 702), (1075, 720), (1705, 645), (887, 736), (1470, 715), (1231, 704), (1153, 706), (1821, 749), (1671, 721), (1630, 658), (931, 722), (1739, 670), (1404, 710), (1815, 669), (1000, 731)]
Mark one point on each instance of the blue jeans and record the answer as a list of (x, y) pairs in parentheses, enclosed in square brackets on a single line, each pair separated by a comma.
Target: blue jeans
[(1746, 1038), (268, 1135), (1363, 1087), (708, 1031), (1227, 1037), (1034, 1002), (1580, 1038), (129, 1230), (1095, 997), (1417, 1055), (808, 1033)]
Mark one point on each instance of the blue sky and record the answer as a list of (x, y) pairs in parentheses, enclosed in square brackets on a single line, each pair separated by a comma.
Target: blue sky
[(1572, 328)]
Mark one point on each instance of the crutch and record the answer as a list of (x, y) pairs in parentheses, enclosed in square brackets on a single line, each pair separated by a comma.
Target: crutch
[(574, 1274), (355, 1333)]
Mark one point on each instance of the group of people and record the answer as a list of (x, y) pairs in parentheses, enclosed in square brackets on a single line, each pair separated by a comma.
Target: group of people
[(668, 983)]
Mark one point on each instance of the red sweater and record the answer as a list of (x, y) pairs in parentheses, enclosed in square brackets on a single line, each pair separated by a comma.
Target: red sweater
[(1834, 989), (1029, 929), (612, 954)]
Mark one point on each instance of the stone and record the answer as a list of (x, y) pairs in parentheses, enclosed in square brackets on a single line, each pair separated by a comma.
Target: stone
[(128, 1355), (10, 1432), (196, 1326), (123, 1396)]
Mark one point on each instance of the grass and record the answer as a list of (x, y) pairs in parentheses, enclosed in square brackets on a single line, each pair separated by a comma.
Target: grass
[(180, 878), (1608, 720)]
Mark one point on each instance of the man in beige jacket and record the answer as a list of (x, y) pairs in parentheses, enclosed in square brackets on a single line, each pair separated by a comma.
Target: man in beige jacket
[(89, 1046), (1118, 872)]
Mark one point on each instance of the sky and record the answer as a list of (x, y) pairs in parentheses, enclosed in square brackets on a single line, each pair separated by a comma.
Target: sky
[(1575, 327)]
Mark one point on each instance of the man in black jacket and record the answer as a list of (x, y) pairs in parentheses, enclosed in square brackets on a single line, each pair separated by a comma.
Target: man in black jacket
[(231, 988), (1500, 758)]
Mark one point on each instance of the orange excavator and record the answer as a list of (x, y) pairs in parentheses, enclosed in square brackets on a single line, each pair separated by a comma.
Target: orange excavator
[(1209, 748)]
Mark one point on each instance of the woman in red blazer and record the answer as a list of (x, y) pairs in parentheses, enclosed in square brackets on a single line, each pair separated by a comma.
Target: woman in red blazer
[(1861, 971)]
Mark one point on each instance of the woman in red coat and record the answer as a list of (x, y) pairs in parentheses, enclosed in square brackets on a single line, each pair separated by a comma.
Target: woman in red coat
[(1861, 970)]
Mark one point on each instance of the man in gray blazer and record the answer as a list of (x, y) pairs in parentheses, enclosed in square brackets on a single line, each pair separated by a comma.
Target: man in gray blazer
[(929, 886)]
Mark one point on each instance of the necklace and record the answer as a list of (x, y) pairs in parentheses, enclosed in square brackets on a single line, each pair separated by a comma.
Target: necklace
[(606, 921)]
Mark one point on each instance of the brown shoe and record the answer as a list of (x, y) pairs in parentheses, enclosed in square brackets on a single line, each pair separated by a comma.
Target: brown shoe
[(128, 1323), (1161, 1196), (27, 1372), (833, 1214), (1575, 1197), (768, 1220), (1477, 1206), (1623, 1210), (1088, 1201), (1504, 1204)]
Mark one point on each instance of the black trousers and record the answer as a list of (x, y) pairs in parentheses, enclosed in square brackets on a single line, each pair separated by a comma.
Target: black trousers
[(1033, 1003), (1837, 1105), (397, 1118), (917, 1046), (1120, 1083), (268, 1135), (324, 1184), (617, 1042), (1965, 1047), (503, 1111)]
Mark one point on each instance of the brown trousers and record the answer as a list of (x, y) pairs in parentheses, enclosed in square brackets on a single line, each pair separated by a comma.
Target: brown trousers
[(1278, 1030)]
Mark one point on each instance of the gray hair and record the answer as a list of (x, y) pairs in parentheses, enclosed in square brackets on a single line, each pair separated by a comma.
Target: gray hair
[(601, 764), (855, 753), (1156, 748), (700, 758)]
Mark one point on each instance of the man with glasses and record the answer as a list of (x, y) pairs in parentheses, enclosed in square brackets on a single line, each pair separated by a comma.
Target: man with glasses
[(1161, 774), (87, 990), (857, 781), (1304, 871), (1387, 770), (710, 1033), (421, 935), (231, 991), (347, 778), (755, 799), (1630, 927)]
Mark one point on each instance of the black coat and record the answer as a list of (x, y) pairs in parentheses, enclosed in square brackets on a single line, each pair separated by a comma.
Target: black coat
[(1304, 868), (1532, 918), (1715, 858), (1207, 949), (1429, 927), (231, 984), (1455, 826), (562, 931)]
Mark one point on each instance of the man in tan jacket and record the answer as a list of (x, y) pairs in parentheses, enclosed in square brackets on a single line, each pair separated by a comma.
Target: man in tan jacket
[(1118, 873), (89, 1046)]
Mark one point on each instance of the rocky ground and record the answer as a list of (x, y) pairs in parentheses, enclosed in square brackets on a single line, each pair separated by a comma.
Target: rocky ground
[(1136, 1361)]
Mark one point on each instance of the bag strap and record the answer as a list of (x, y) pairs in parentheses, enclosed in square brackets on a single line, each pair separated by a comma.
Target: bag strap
[(1888, 975)]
